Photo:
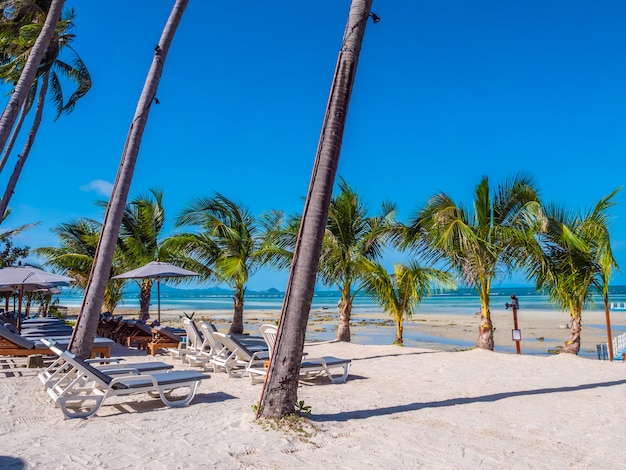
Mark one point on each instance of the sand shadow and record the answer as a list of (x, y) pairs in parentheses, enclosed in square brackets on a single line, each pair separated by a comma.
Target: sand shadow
[(389, 410), (155, 404), (8, 462)]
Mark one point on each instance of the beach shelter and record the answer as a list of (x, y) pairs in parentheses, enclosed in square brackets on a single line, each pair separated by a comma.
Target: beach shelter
[(156, 270), (28, 279)]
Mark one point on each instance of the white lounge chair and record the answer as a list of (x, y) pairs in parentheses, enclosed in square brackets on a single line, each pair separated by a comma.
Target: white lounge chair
[(311, 368), (84, 394), (236, 356), (210, 347), (61, 370)]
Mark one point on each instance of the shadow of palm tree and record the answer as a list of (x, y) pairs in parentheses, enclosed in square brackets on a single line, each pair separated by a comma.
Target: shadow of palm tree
[(364, 414)]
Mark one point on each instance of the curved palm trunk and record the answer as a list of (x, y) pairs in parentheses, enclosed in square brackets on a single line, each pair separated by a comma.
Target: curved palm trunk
[(10, 189), (345, 312), (572, 345), (607, 316), (14, 134), (399, 341), (236, 327), (87, 323), (19, 95), (279, 393), (485, 330), (144, 299)]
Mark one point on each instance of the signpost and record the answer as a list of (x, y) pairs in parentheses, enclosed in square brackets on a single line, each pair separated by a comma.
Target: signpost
[(516, 333)]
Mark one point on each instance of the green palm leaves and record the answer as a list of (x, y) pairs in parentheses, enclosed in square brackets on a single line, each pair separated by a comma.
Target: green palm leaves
[(401, 292), (352, 240), (228, 245), (478, 244)]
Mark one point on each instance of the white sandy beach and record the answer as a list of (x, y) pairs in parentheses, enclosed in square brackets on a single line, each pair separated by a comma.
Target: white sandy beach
[(400, 408)]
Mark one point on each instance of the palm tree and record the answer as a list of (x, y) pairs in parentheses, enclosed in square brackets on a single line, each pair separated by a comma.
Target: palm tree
[(229, 246), (570, 257), (29, 72), (401, 292), (87, 322), (280, 390), (74, 257), (351, 241), (480, 244), (16, 50), (139, 242)]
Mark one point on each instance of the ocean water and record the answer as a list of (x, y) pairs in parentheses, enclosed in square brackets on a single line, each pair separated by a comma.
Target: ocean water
[(365, 330), (459, 301)]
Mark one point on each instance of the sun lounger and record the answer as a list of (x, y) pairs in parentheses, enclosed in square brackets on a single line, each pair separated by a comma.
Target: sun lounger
[(312, 368), (61, 370), (235, 356), (163, 338), (84, 395), (192, 343), (12, 344), (209, 347)]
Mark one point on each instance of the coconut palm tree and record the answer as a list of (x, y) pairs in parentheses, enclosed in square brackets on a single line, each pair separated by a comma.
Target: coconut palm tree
[(87, 322), (280, 390), (139, 240), (479, 244), (16, 50), (9, 9), (74, 257), (228, 246), (352, 240), (400, 293), (570, 258)]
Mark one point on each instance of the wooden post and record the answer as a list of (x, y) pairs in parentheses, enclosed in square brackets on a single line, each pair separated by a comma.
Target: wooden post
[(515, 305)]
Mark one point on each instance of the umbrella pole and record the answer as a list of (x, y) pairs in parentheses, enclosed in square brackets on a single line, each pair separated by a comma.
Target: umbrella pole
[(159, 300), (19, 312)]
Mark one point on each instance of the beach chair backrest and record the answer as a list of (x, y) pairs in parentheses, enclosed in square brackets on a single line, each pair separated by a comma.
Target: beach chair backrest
[(194, 338), (16, 339), (207, 330), (234, 346), (167, 333), (77, 362), (269, 335)]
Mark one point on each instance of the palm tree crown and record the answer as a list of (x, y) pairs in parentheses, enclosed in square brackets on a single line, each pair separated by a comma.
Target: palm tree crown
[(480, 244)]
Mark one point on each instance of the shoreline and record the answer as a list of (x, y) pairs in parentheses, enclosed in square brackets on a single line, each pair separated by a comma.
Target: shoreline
[(542, 330)]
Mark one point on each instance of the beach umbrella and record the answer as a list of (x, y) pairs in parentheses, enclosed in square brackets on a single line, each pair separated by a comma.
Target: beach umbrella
[(156, 270), (29, 279)]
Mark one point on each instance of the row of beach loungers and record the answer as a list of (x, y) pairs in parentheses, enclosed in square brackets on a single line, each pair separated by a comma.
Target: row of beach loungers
[(80, 387)]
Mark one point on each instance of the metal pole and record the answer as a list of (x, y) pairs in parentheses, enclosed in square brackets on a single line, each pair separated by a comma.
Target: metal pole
[(517, 346)]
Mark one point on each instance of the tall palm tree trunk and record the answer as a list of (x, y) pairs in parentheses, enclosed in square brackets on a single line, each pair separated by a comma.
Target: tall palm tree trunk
[(87, 323), (14, 134), (279, 393), (10, 189), (19, 95)]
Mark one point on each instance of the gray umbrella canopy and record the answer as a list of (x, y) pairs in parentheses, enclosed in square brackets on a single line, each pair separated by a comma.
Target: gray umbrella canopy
[(156, 270), (19, 276), (29, 279)]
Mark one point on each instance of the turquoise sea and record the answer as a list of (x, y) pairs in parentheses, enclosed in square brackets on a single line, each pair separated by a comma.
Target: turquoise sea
[(459, 301), (462, 301)]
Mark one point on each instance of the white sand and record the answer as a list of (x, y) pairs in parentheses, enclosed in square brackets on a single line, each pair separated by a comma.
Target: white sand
[(401, 408)]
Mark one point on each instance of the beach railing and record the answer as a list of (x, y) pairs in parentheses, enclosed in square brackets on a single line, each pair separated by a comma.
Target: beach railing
[(619, 348)]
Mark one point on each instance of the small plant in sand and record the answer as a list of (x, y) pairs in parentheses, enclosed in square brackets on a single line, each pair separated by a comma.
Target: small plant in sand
[(292, 424)]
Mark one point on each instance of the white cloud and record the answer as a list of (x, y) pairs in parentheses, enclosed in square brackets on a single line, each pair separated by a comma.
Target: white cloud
[(99, 186)]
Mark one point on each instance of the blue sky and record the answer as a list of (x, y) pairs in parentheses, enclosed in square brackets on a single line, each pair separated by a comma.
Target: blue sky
[(445, 93)]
